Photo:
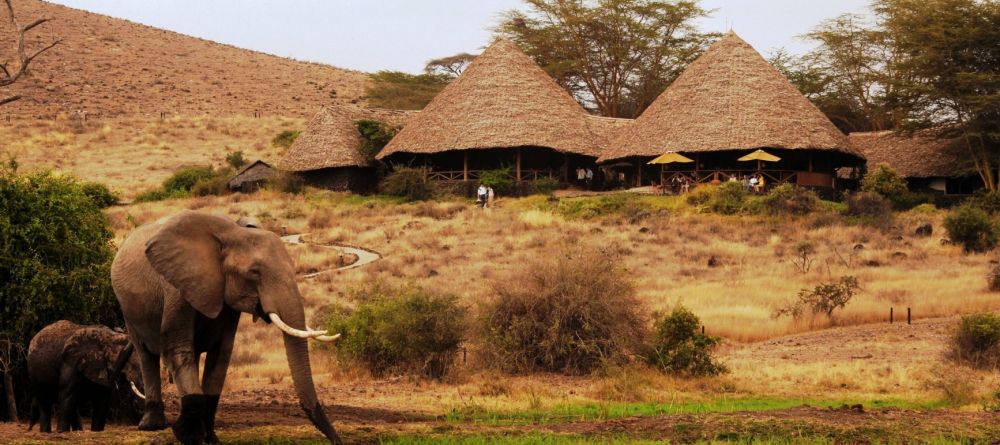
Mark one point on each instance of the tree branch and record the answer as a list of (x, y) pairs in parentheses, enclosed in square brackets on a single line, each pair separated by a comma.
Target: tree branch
[(9, 100), (24, 59)]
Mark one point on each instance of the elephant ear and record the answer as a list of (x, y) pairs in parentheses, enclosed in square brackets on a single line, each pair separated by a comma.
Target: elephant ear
[(187, 252), (87, 351)]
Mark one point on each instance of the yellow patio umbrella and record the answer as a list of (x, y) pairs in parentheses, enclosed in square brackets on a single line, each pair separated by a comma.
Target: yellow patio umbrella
[(671, 157), (760, 155)]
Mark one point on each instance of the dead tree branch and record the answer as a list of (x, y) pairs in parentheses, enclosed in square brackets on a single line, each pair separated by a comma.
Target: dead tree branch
[(24, 57)]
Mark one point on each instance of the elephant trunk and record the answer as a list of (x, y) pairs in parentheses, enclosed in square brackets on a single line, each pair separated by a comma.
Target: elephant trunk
[(297, 351)]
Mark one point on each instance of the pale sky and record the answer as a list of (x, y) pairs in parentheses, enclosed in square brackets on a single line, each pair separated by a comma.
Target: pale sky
[(371, 35)]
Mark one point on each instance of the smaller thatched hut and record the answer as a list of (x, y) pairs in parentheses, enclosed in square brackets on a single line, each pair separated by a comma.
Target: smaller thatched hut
[(328, 154), (252, 177), (929, 164)]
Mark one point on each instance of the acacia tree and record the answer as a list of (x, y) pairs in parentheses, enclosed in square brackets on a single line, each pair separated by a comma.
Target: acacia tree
[(452, 66), (949, 55), (615, 56), (10, 74)]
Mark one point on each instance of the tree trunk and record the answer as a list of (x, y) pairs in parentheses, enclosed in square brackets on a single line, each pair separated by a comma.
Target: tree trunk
[(8, 384)]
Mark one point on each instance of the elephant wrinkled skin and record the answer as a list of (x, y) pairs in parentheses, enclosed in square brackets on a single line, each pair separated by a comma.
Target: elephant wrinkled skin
[(182, 283)]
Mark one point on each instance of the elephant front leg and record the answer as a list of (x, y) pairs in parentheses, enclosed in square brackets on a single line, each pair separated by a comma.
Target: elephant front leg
[(101, 405), (189, 428), (216, 366), (68, 418), (153, 418)]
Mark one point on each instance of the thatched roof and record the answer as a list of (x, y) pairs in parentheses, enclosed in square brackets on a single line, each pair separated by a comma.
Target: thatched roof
[(605, 129), (253, 172), (332, 138), (730, 98), (917, 156), (503, 99)]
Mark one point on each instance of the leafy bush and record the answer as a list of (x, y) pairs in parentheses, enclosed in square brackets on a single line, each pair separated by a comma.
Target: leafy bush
[(869, 208), (375, 135), (885, 182), (680, 348), (972, 228), (285, 138), (976, 341), (625, 204), (401, 329), (546, 185), (499, 179), (986, 200), (729, 198), (993, 278), (787, 199), (159, 195), (409, 183), (823, 299), (55, 257), (217, 185), (287, 182), (236, 160), (574, 312), (184, 179), (102, 196)]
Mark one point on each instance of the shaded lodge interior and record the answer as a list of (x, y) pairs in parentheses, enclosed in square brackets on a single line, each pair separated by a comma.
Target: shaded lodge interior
[(525, 163)]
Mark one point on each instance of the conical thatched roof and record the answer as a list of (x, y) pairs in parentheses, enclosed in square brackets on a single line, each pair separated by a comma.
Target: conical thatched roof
[(503, 99), (918, 156), (332, 138), (729, 98)]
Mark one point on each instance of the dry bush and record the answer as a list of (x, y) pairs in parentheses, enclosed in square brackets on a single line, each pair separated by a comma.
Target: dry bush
[(993, 277), (976, 341), (956, 385), (320, 219), (574, 312)]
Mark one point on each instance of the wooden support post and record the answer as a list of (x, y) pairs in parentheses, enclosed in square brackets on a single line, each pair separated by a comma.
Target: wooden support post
[(890, 314), (518, 177), (909, 316), (638, 172), (565, 167), (465, 166)]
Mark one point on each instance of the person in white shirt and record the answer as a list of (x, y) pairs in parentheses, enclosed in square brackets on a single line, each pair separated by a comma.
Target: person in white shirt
[(481, 196)]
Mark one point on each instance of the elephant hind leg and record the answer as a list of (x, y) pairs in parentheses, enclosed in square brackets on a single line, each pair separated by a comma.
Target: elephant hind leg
[(99, 411)]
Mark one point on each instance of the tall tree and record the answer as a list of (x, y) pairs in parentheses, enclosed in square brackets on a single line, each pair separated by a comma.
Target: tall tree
[(948, 52), (9, 74), (452, 66), (615, 56)]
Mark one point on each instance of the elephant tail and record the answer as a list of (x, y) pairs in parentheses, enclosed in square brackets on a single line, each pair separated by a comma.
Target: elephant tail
[(36, 412)]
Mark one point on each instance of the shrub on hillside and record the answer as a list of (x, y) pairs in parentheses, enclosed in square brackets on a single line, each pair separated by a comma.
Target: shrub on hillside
[(976, 341), (885, 182), (217, 185), (574, 312), (986, 200), (187, 181), (628, 205), (235, 159), (545, 185), (787, 199), (285, 138), (680, 347), (375, 135), (404, 329), (102, 196), (499, 179), (821, 300), (184, 179), (410, 183), (287, 182), (869, 208), (729, 198), (972, 228)]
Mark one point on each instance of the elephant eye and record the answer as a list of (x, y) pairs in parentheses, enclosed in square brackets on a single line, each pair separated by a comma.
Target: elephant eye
[(254, 272)]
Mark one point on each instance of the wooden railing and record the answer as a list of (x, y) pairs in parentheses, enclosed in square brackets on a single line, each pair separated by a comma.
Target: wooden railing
[(709, 176), (459, 175)]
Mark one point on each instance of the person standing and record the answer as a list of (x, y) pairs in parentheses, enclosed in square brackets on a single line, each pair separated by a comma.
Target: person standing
[(489, 197), (481, 196), (590, 176)]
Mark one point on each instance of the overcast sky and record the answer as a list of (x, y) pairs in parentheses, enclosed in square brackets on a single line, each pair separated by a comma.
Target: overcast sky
[(371, 35)]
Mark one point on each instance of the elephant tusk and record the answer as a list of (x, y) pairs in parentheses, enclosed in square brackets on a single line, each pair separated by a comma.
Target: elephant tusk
[(327, 337), (136, 390), (309, 333)]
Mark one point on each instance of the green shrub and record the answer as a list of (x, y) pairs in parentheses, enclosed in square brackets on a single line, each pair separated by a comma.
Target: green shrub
[(287, 182), (890, 185), (700, 196), (217, 185), (184, 179), (728, 198), (285, 138), (55, 257), (100, 194), (986, 200), (159, 195), (499, 179), (410, 183), (787, 199), (972, 228), (869, 208), (400, 329), (375, 135), (823, 299), (574, 312), (546, 185), (627, 205), (976, 341), (679, 347), (236, 160)]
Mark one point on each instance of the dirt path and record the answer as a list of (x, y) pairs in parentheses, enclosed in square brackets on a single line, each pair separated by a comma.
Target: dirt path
[(365, 256)]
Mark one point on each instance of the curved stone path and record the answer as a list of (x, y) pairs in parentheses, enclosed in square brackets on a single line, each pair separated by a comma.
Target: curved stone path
[(364, 256)]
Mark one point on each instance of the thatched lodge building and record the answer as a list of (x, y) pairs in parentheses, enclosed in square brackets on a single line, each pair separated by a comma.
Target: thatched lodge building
[(929, 164), (328, 154), (503, 111), (726, 104), (252, 177)]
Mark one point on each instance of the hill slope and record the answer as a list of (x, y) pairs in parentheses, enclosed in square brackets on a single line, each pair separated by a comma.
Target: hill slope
[(114, 67)]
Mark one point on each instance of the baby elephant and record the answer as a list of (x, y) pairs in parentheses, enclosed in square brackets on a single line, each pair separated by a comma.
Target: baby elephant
[(70, 364)]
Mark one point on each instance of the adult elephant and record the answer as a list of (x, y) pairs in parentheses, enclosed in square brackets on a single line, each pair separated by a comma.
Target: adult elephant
[(71, 364), (182, 283)]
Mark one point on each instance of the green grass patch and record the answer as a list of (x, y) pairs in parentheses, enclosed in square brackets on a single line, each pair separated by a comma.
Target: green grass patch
[(606, 411)]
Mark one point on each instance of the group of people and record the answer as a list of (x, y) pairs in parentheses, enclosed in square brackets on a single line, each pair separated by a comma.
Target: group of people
[(484, 196), (752, 183), (585, 176), (680, 184)]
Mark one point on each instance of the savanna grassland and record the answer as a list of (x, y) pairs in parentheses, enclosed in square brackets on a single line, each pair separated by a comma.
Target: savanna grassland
[(732, 271)]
